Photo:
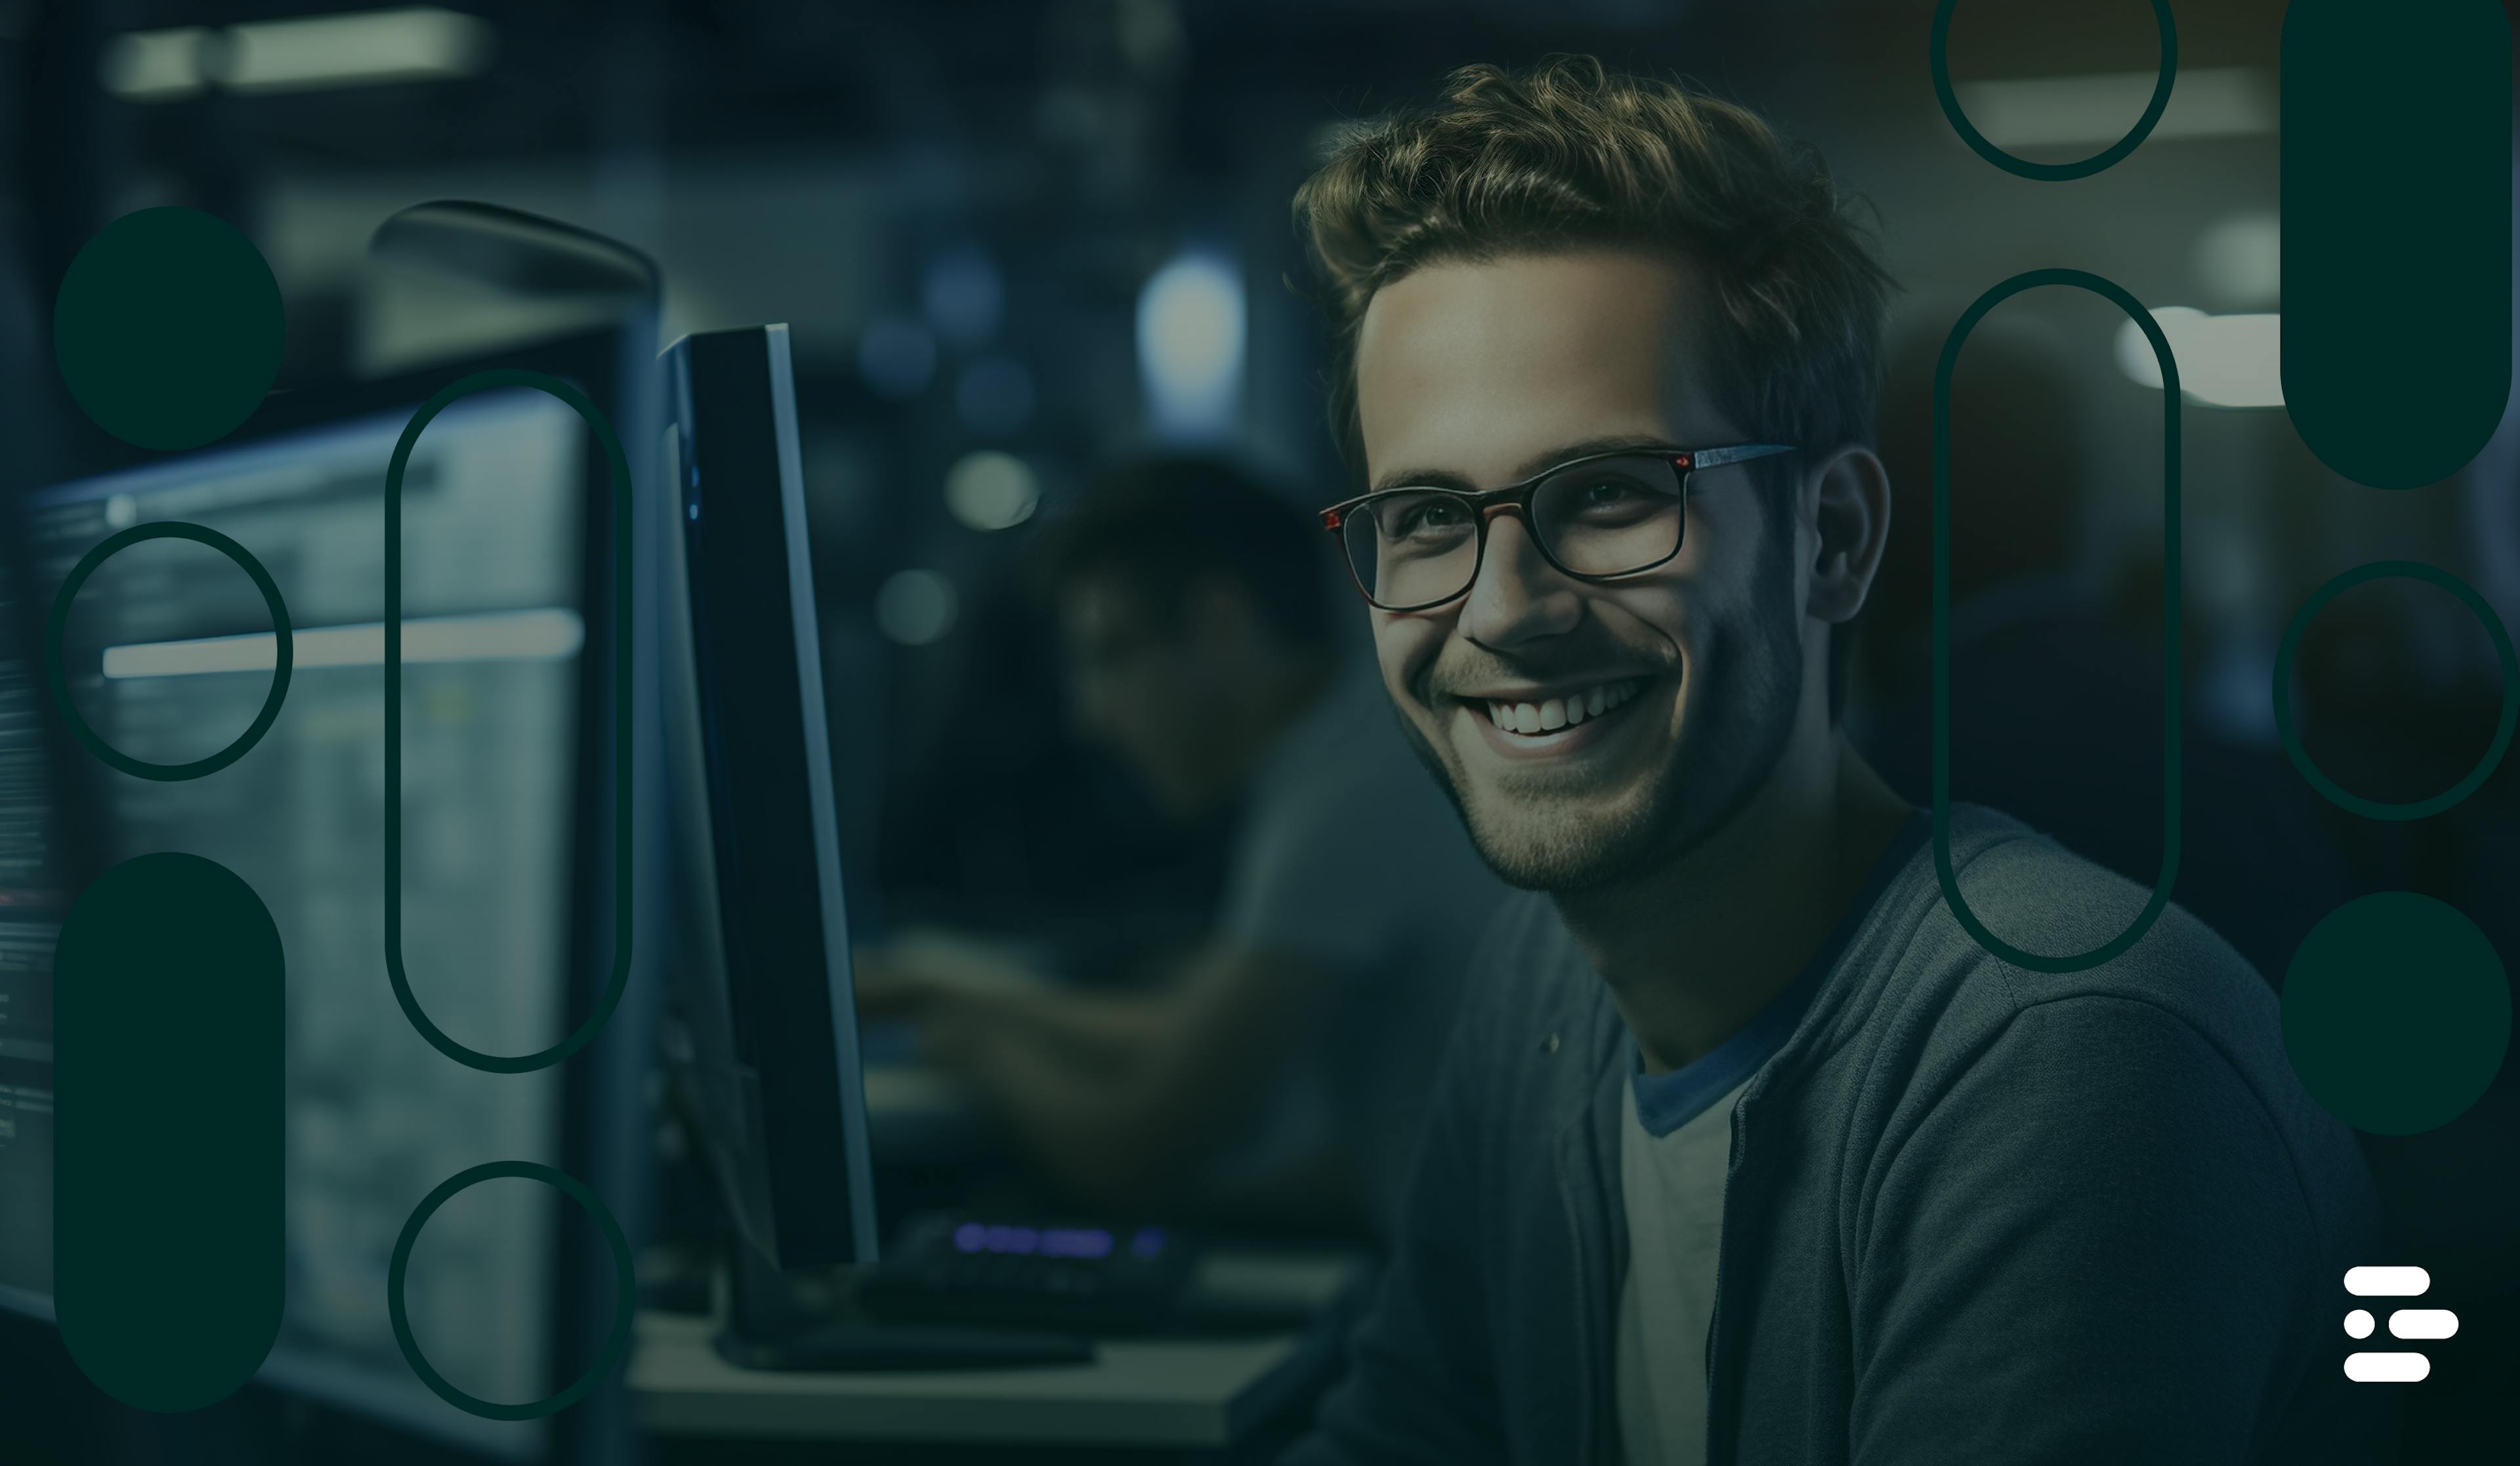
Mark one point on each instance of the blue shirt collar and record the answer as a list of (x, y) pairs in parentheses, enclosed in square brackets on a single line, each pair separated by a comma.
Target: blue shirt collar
[(1667, 1101)]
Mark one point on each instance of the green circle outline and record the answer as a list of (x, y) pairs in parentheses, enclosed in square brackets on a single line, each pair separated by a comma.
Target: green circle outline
[(627, 1302), (2434, 575), (622, 896), (57, 625), (1938, 60)]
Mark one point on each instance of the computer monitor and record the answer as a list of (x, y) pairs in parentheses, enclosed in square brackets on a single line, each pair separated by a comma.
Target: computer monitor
[(507, 706), (760, 1027), (34, 895), (760, 1020)]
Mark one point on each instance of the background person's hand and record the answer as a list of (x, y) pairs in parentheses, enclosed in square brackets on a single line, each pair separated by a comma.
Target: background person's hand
[(954, 1036), (928, 969), (887, 987)]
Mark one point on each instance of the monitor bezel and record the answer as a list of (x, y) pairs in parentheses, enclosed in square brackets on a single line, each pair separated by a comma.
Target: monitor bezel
[(811, 1204)]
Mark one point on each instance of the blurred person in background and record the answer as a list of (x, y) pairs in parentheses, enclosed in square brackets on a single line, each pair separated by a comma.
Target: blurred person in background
[(1745, 1149), (2057, 679), (1276, 1077)]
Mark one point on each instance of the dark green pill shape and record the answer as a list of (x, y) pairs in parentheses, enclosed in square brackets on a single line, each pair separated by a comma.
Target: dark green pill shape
[(2396, 181), (167, 1161)]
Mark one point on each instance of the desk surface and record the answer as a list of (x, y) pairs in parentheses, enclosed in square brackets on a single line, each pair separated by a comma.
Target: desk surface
[(1148, 1393)]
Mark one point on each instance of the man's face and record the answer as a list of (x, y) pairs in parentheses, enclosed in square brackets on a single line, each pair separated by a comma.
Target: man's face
[(1147, 688), (1489, 373)]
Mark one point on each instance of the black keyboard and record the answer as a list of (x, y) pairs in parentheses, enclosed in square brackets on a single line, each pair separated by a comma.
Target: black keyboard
[(1083, 1278)]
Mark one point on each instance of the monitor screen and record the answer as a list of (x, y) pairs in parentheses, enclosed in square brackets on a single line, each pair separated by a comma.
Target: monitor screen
[(168, 656), (31, 900)]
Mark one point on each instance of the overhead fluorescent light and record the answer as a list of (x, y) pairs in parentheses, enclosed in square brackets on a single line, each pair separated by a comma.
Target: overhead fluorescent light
[(540, 636), (416, 44), (2224, 361), (365, 48), (1190, 325), (2056, 111), (2239, 260), (154, 66)]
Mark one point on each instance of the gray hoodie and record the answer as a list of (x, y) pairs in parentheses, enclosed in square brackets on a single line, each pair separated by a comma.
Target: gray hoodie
[(1974, 1212)]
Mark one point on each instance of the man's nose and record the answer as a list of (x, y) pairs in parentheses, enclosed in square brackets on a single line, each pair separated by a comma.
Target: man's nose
[(1518, 594)]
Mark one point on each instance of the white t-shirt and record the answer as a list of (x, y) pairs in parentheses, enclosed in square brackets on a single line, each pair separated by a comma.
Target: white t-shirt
[(1675, 1157), (1673, 1188)]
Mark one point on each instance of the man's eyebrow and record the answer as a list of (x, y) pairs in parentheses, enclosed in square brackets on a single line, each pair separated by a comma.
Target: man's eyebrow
[(1540, 462)]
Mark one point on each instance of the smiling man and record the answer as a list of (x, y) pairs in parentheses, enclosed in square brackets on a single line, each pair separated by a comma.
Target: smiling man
[(1746, 1151)]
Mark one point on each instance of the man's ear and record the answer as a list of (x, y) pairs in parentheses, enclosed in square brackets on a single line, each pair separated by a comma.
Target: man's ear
[(1851, 512)]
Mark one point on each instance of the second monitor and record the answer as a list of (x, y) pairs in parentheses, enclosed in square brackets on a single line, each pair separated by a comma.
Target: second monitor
[(762, 1025), (761, 1028)]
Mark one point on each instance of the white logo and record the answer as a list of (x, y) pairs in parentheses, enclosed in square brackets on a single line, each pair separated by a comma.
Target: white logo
[(2403, 1366)]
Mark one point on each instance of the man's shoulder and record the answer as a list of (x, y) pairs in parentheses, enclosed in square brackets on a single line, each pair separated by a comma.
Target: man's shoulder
[(2179, 1010), (1942, 999), (2033, 895)]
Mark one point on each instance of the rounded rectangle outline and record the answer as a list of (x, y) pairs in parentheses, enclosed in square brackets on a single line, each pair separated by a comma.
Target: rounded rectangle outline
[(1941, 743), (618, 464)]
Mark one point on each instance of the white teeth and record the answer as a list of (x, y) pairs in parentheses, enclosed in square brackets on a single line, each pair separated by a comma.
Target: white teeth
[(1562, 712)]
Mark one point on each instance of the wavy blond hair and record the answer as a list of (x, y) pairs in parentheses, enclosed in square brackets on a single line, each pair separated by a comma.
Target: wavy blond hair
[(1568, 154)]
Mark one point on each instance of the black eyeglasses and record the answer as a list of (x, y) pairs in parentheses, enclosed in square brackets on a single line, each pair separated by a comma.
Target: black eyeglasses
[(1597, 517)]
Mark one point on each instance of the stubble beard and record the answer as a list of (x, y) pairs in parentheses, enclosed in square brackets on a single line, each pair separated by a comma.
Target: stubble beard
[(1568, 840)]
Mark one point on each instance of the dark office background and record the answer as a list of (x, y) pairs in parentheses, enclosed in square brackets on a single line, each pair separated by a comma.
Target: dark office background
[(1016, 239)]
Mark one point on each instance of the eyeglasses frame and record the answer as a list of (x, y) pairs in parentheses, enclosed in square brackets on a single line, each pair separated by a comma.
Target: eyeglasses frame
[(1517, 497)]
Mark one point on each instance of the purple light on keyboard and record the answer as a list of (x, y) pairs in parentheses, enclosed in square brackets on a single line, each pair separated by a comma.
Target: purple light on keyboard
[(1014, 1239), (1148, 1241), (970, 1237), (1077, 1242)]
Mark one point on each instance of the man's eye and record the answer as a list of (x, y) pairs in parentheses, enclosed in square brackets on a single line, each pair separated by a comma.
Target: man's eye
[(1608, 491), (1428, 516)]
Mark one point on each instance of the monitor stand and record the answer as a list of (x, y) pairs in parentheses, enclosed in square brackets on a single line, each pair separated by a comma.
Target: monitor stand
[(767, 1327)]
